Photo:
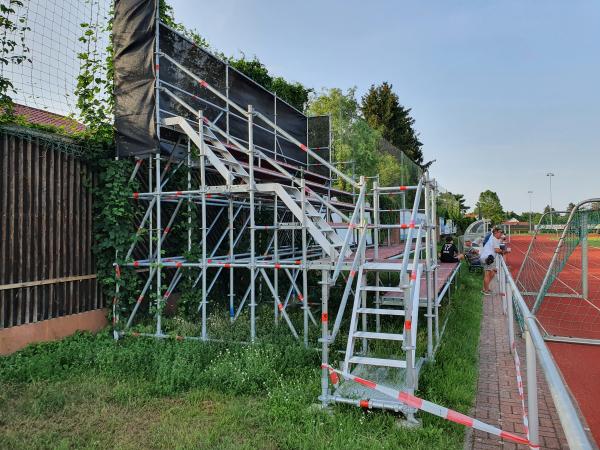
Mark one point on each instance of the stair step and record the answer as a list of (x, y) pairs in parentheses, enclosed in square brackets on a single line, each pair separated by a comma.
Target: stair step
[(389, 267), (382, 336), (381, 289), (378, 362), (231, 162), (381, 311)]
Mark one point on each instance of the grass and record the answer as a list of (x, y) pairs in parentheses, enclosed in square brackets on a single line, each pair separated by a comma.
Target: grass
[(91, 392)]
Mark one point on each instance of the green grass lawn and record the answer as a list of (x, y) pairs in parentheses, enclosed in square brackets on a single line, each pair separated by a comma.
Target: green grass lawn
[(92, 392)]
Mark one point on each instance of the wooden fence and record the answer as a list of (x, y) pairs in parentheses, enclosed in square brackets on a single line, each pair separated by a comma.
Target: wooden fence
[(46, 263)]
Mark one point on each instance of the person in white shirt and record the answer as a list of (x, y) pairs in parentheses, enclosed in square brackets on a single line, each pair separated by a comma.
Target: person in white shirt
[(488, 256)]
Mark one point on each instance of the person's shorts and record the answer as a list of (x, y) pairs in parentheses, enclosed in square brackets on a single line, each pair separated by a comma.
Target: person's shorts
[(491, 266)]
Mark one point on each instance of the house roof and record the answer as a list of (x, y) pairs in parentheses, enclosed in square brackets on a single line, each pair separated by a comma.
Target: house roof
[(41, 117)]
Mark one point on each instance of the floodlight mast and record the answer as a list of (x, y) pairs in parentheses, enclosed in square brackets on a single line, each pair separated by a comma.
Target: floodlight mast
[(550, 175)]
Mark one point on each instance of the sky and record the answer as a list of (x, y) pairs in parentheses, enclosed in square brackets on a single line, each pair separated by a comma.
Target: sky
[(502, 92)]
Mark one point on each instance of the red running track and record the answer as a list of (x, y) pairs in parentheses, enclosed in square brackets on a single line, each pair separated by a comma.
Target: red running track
[(579, 363)]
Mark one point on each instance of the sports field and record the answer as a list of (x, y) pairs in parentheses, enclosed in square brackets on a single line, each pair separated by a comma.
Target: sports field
[(564, 314)]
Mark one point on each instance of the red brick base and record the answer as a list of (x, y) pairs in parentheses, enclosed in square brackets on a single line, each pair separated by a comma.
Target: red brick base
[(15, 338)]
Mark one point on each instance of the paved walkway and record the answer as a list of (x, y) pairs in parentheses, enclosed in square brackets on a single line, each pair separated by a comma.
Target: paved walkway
[(498, 401)]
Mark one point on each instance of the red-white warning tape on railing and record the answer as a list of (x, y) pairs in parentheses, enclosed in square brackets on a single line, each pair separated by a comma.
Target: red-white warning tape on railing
[(521, 393), (424, 405)]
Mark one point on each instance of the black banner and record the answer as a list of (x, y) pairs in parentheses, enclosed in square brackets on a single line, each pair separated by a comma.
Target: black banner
[(134, 30)]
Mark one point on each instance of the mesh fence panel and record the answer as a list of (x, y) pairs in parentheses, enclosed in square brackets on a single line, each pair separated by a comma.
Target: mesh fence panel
[(551, 277), (49, 79)]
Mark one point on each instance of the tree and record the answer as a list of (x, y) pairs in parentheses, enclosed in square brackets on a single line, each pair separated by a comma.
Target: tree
[(460, 198), (489, 207), (167, 15), (293, 93), (353, 139), (382, 110), (513, 214), (570, 206)]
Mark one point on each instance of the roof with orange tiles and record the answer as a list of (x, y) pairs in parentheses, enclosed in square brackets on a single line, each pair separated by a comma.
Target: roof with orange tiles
[(41, 117)]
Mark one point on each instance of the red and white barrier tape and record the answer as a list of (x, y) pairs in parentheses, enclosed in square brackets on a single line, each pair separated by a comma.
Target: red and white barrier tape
[(432, 408), (521, 393)]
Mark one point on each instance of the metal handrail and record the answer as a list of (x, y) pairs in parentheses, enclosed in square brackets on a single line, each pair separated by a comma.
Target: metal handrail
[(351, 224), (536, 346), (353, 268)]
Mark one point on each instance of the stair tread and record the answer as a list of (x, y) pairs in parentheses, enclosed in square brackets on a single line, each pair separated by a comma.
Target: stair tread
[(382, 336), (381, 311), (391, 267), (378, 362), (382, 288)]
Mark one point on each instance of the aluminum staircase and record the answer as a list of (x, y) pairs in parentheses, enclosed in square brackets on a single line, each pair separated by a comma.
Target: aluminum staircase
[(216, 153), (219, 157), (405, 319)]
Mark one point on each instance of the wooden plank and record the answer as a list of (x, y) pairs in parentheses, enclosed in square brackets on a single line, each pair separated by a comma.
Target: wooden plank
[(12, 225), (20, 194), (27, 229), (27, 284), (36, 234), (43, 231), (76, 235), (4, 215), (71, 236), (51, 213)]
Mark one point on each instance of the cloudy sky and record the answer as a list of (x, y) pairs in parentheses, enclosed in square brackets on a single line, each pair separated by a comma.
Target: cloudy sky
[(502, 92)]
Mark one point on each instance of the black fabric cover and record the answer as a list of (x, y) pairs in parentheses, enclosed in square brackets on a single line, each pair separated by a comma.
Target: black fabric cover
[(134, 40), (135, 102), (318, 140)]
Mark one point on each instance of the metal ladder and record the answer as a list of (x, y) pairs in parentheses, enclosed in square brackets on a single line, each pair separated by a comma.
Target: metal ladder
[(361, 310)]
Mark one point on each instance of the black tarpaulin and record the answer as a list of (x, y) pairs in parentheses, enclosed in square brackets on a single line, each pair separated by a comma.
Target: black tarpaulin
[(134, 39), (318, 140)]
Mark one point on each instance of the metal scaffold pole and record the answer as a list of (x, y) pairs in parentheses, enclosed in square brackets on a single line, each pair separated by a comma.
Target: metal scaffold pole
[(376, 252), (203, 200), (252, 224), (429, 262), (275, 257), (304, 298)]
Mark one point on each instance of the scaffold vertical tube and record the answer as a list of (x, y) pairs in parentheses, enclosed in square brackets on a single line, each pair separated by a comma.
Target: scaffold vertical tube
[(252, 224), (203, 219)]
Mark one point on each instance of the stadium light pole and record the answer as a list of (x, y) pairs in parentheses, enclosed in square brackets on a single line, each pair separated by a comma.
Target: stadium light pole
[(550, 175), (530, 210)]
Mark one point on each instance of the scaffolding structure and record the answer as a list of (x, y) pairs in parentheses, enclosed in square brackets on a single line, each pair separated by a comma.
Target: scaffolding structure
[(276, 225)]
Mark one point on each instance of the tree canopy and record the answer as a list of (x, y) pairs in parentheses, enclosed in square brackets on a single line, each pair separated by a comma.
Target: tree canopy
[(293, 93), (489, 207), (382, 110), (355, 140)]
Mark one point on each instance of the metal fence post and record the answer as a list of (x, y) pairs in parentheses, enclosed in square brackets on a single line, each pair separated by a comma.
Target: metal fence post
[(584, 254), (509, 318), (532, 396)]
